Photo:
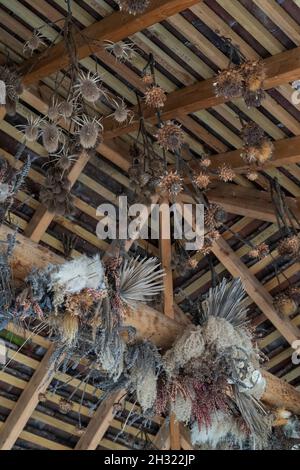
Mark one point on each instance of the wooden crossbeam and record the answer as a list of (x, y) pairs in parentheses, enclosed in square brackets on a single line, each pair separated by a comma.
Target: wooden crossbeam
[(280, 68), (27, 402), (254, 289), (249, 202), (114, 27), (150, 323), (99, 423)]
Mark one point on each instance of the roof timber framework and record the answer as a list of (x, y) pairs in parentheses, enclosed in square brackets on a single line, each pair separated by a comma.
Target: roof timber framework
[(187, 56)]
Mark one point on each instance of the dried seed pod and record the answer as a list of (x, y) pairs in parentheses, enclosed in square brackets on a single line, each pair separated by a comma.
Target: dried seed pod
[(122, 113), (34, 43), (205, 162), (66, 109), (155, 97), (170, 136), (50, 137), (88, 86), (53, 111), (147, 79), (65, 406), (121, 50), (226, 173), (265, 151), (202, 180), (229, 83), (171, 182), (289, 246), (214, 216), (89, 131), (134, 7), (252, 134)]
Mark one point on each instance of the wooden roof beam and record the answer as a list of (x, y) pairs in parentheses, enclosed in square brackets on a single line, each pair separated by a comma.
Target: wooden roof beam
[(114, 27), (149, 323), (280, 68), (26, 404)]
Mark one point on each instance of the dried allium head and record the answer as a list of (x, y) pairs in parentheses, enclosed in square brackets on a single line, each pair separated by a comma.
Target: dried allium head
[(134, 7), (285, 305), (260, 251), (229, 83), (254, 75), (171, 182), (265, 151), (251, 174), (50, 137), (147, 79), (88, 88), (205, 162), (155, 97), (66, 109), (202, 180), (214, 216), (252, 134), (170, 136), (226, 173), (289, 246)]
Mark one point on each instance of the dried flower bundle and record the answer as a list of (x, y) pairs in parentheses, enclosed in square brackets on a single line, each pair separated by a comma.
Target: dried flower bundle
[(89, 131), (226, 173), (285, 304), (170, 136), (229, 83), (134, 7)]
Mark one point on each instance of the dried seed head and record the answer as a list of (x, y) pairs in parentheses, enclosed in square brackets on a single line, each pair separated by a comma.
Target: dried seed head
[(226, 173), (252, 134), (205, 162), (134, 7), (289, 246), (147, 79), (260, 251), (34, 43), (53, 112), (229, 83), (253, 99), (65, 406), (51, 136), (171, 182), (214, 216), (202, 180), (285, 305), (254, 75), (88, 87), (265, 151), (31, 133), (170, 136), (122, 113), (66, 109), (121, 50), (213, 235), (155, 97), (251, 174), (89, 134)]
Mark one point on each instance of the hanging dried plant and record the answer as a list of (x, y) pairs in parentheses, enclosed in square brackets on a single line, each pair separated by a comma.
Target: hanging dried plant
[(122, 113), (285, 304), (50, 136), (289, 246), (171, 183), (134, 7), (89, 131), (32, 129), (254, 75), (34, 43), (66, 109), (258, 148), (121, 50), (202, 180), (226, 173), (155, 97), (205, 162), (147, 79), (170, 136), (252, 174), (140, 280), (88, 86), (214, 216), (229, 83), (53, 112), (260, 251), (55, 194)]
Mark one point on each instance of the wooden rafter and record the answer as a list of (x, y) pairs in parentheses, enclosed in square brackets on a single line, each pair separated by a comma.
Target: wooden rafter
[(99, 423), (114, 27), (149, 322), (27, 402), (280, 68), (254, 289)]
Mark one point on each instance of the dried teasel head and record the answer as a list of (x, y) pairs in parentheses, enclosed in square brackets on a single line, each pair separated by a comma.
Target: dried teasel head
[(134, 7), (155, 97), (229, 83), (170, 136), (171, 182), (121, 50), (66, 109), (89, 131), (202, 180), (289, 246), (226, 173), (122, 113), (54, 110), (88, 86), (50, 136), (34, 43), (260, 251), (32, 129)]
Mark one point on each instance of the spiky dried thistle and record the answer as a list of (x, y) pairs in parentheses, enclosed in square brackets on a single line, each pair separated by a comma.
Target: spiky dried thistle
[(171, 182), (50, 136), (89, 131), (226, 173), (155, 97), (88, 86), (133, 7), (202, 180), (229, 83), (121, 50), (34, 43)]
